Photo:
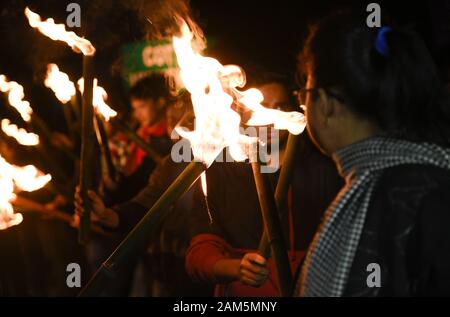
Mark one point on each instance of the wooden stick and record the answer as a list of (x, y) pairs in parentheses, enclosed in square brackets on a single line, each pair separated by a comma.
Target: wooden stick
[(68, 116), (274, 231), (87, 145), (143, 229), (108, 169), (75, 106), (284, 180)]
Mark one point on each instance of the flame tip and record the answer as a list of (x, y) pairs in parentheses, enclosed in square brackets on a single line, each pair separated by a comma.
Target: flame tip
[(58, 32)]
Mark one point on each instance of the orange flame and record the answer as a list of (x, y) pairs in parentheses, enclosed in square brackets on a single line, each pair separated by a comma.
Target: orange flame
[(21, 135), (213, 89), (57, 32), (60, 83), (7, 216), (294, 122), (98, 100), (15, 97), (217, 125), (27, 178)]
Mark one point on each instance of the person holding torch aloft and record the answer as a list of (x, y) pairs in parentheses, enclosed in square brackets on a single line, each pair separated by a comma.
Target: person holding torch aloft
[(225, 236)]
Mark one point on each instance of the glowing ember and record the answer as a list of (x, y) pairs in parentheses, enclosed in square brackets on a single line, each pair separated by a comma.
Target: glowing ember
[(98, 100), (213, 91), (21, 135), (57, 32), (15, 97), (60, 83), (26, 178)]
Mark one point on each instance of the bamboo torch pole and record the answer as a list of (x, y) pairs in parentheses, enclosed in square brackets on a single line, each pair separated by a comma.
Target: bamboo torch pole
[(107, 163), (281, 190), (75, 106), (147, 225), (273, 227), (87, 144), (68, 116)]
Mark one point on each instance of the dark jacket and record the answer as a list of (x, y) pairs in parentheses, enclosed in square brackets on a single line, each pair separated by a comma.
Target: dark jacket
[(407, 233)]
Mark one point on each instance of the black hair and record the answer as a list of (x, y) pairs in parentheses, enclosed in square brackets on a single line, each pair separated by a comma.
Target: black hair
[(151, 87), (401, 91), (258, 76)]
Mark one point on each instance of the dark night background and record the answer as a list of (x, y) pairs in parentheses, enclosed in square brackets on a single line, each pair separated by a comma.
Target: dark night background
[(247, 33)]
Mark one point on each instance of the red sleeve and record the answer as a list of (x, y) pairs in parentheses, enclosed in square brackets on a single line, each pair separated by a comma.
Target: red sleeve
[(203, 253)]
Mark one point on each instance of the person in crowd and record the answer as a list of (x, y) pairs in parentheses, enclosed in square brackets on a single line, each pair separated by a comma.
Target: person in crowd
[(162, 267), (375, 103), (40, 245), (226, 232), (149, 98)]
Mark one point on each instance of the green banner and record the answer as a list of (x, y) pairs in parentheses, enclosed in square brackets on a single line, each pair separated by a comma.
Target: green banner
[(144, 58)]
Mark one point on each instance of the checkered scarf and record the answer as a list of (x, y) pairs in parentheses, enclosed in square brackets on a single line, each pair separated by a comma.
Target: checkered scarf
[(330, 256)]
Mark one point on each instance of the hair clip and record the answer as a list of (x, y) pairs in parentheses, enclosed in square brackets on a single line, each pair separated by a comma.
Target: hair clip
[(380, 42)]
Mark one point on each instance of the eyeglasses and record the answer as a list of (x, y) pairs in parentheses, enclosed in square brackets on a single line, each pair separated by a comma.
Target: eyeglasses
[(302, 94), (282, 107)]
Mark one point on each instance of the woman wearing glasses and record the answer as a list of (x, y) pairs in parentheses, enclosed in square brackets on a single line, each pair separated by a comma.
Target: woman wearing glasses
[(375, 104)]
